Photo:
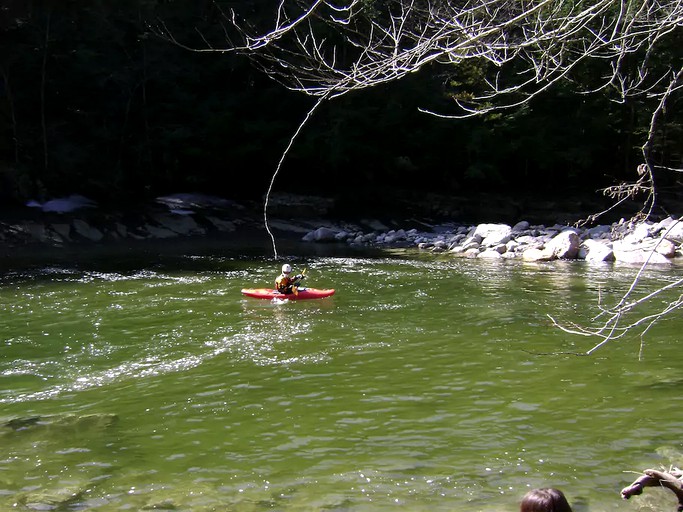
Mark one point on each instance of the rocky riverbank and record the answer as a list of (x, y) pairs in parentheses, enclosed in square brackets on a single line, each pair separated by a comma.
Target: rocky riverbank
[(628, 242), (75, 220)]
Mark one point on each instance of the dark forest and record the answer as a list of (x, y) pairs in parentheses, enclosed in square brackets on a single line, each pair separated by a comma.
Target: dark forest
[(92, 101)]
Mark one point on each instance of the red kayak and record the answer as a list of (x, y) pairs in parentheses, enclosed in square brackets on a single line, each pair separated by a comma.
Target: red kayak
[(302, 293)]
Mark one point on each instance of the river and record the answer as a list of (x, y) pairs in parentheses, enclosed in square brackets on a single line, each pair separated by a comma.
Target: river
[(145, 380)]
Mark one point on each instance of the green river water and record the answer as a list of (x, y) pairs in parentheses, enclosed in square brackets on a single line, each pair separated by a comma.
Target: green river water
[(147, 381)]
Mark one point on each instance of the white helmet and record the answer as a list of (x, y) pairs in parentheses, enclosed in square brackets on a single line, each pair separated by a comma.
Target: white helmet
[(286, 268)]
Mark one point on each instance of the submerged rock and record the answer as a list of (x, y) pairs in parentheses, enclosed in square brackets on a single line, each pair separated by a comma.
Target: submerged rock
[(59, 423), (52, 499)]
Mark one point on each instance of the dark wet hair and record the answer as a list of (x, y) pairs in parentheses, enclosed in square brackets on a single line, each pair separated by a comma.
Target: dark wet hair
[(545, 500)]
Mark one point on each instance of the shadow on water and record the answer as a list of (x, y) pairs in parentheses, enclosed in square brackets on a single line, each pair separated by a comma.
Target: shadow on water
[(169, 255)]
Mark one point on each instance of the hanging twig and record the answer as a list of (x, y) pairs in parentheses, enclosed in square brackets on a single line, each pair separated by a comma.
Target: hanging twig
[(309, 114)]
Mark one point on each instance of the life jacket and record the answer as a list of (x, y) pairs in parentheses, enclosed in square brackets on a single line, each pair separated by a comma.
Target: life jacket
[(283, 283)]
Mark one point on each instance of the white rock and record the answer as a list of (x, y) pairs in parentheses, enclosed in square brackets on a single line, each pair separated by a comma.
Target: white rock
[(596, 251), (565, 245)]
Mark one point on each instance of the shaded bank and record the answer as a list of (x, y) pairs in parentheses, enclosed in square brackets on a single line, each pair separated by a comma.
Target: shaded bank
[(57, 224)]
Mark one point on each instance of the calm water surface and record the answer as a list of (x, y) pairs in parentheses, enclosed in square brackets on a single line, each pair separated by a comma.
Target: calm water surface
[(424, 383)]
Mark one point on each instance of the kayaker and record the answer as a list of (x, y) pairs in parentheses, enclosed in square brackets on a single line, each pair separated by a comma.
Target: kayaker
[(285, 281)]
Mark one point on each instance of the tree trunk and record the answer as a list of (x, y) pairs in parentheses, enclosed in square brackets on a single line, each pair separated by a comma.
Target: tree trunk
[(12, 114), (43, 81)]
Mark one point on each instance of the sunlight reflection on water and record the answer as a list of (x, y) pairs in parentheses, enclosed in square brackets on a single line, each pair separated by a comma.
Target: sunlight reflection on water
[(433, 384)]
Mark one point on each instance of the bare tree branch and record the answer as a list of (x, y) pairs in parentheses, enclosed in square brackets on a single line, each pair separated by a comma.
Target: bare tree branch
[(328, 48), (666, 479)]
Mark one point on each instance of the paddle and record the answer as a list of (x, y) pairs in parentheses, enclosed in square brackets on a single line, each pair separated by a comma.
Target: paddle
[(295, 285)]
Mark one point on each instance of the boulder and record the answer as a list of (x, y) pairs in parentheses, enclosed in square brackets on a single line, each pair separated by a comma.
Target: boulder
[(636, 253), (87, 231), (564, 245), (493, 234), (534, 254), (594, 250), (674, 232), (321, 234)]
